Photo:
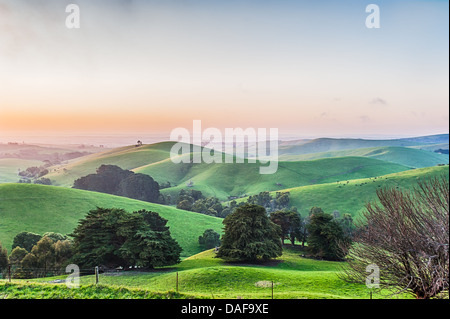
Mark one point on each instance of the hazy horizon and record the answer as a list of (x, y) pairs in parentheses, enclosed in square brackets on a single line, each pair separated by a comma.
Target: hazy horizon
[(123, 139)]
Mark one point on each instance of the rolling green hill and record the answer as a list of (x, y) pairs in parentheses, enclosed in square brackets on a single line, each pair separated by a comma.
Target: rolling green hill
[(40, 209), (352, 197), (234, 179), (128, 157), (411, 157), (222, 180)]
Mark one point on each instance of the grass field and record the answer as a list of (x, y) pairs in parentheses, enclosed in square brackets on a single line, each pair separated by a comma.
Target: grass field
[(40, 209), (223, 180), (352, 197), (204, 276)]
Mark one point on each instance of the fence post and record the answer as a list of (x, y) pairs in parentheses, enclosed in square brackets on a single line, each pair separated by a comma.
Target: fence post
[(272, 289), (96, 275), (177, 281), (9, 272)]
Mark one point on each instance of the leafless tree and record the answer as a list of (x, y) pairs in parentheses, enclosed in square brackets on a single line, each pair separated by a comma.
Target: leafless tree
[(406, 235)]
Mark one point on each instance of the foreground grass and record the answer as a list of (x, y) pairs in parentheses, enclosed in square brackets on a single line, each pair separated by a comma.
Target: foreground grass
[(27, 290), (40, 209), (204, 276)]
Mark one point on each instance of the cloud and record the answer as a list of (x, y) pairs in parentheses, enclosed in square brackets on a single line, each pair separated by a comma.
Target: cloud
[(378, 101)]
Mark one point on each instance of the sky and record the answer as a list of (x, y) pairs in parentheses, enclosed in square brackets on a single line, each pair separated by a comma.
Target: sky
[(308, 68)]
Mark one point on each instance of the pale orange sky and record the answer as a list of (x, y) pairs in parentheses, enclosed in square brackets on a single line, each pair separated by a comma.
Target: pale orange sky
[(303, 67)]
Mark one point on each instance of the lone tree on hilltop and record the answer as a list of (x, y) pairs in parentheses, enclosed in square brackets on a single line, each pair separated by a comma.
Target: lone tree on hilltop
[(249, 235), (407, 236)]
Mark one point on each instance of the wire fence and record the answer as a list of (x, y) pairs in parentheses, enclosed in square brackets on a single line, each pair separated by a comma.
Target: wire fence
[(138, 278), (216, 285)]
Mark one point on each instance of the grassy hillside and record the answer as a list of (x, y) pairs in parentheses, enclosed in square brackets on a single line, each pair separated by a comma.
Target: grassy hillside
[(204, 276), (411, 157), (352, 197), (9, 168), (40, 209), (128, 157), (223, 180)]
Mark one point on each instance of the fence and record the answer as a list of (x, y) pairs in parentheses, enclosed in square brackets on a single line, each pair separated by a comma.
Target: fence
[(214, 284), (137, 278)]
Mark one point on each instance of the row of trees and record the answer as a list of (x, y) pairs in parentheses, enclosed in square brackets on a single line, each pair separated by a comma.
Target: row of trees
[(405, 235), (109, 238), (34, 255), (250, 234), (195, 201)]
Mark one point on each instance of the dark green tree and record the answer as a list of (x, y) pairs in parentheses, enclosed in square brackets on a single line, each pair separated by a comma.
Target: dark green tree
[(291, 223), (249, 235), (114, 237), (209, 239), (281, 218), (4, 261), (149, 243), (326, 237), (26, 240), (111, 179), (16, 256)]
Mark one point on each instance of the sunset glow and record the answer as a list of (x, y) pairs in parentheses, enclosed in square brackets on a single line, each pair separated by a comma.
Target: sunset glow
[(309, 68)]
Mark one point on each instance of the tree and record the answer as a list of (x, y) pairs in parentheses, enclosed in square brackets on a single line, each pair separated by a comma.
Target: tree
[(44, 251), (185, 205), (281, 218), (249, 235), (115, 238), (111, 179), (326, 237), (151, 245), (139, 186), (4, 261), (16, 256), (55, 236), (406, 235), (209, 239), (297, 228), (26, 240), (346, 222)]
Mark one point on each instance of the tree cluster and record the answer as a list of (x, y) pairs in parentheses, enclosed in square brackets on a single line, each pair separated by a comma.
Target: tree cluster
[(114, 238), (281, 201), (111, 179), (34, 255), (194, 201)]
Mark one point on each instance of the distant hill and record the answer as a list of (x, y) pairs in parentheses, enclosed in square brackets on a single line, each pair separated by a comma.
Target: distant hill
[(40, 209), (221, 180), (332, 144), (412, 157), (352, 197), (429, 139), (236, 179)]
